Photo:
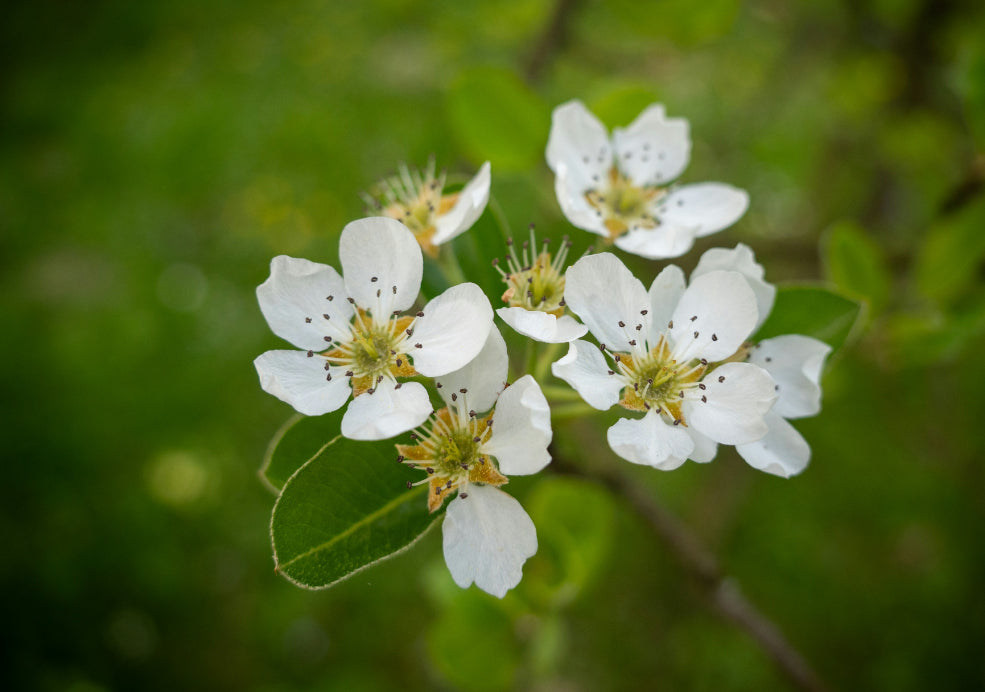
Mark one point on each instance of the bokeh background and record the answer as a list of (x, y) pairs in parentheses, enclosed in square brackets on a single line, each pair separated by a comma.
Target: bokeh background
[(155, 155)]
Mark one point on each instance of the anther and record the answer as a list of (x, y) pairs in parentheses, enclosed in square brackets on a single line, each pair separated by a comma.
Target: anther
[(310, 353), (643, 312), (329, 297), (693, 318), (399, 362), (394, 290), (418, 346), (410, 332), (375, 279), (398, 385), (327, 339), (464, 466), (327, 316), (307, 320), (328, 377), (768, 359), (714, 337), (409, 485), (632, 342), (378, 293), (463, 495), (351, 301), (612, 372), (438, 385), (704, 361), (670, 325), (400, 459), (639, 327), (420, 314), (702, 386), (695, 335), (454, 396), (472, 415), (677, 421), (602, 347), (463, 390), (429, 470), (682, 393), (721, 378), (621, 323), (327, 365), (348, 373), (704, 399)]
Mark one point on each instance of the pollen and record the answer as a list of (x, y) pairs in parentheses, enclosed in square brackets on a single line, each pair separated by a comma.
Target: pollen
[(535, 279), (375, 350)]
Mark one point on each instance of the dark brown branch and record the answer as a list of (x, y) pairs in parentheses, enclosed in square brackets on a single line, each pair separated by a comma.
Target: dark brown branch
[(551, 40), (723, 591)]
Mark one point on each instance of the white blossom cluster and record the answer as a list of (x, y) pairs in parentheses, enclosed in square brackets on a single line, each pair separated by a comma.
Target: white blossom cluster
[(679, 357)]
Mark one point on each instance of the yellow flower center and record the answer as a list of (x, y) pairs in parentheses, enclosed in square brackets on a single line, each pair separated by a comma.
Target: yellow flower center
[(535, 281), (624, 206)]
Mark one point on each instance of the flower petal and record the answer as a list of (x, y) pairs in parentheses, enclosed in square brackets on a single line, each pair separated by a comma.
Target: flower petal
[(452, 331), (521, 429), (382, 265), (484, 376), (795, 363), (650, 441), (487, 537), (654, 149), (579, 141), (301, 381), (570, 191), (390, 410), (704, 207), (665, 293), (782, 451), (294, 301), (705, 448), (740, 259), (715, 315), (736, 398), (665, 241), (603, 292), (585, 369), (543, 326), (472, 200)]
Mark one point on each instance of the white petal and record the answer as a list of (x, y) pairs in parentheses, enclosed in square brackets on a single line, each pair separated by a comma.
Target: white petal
[(472, 200), (579, 141), (704, 207), (665, 241), (654, 149), (521, 429), (570, 190), (585, 369), (484, 376), (379, 254), (650, 441), (543, 326), (387, 412), (721, 309), (487, 537), (740, 259), (782, 451), (294, 301), (665, 293), (795, 363), (302, 382), (705, 448), (453, 330), (603, 292), (738, 395)]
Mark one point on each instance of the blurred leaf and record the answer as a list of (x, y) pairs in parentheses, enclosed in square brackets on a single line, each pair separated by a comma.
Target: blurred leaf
[(574, 523), (344, 510), (496, 117), (473, 645), (299, 439), (619, 106), (952, 253), (971, 87), (681, 22), (929, 338), (856, 264), (811, 311)]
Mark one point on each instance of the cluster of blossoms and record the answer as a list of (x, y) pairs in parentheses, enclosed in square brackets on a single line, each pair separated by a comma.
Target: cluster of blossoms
[(679, 357)]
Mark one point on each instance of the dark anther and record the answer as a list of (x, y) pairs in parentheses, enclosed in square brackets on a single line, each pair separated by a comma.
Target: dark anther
[(420, 314), (768, 359), (329, 297), (394, 290), (612, 372), (418, 346), (398, 385), (464, 466), (429, 470), (714, 337), (399, 362), (682, 393), (327, 365), (639, 327), (454, 396), (307, 320), (328, 377), (463, 390), (632, 342), (348, 373), (310, 353), (721, 378), (463, 495), (351, 301), (472, 414), (621, 323), (410, 332), (694, 318), (643, 312), (378, 292), (327, 316), (677, 421), (438, 385), (702, 386), (670, 325), (601, 347), (409, 485), (704, 399), (375, 279), (400, 459), (616, 356), (327, 338), (695, 335)]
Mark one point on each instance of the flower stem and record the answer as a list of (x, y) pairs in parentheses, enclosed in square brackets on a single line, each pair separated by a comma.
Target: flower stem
[(560, 393), (567, 411), (450, 268), (500, 217), (547, 357)]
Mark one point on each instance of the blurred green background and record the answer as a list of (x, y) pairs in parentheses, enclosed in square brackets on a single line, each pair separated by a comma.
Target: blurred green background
[(155, 155)]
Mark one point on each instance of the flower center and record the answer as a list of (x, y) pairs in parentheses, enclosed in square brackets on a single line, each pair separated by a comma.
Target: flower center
[(654, 380), (374, 351), (414, 198), (624, 206), (535, 281), (450, 451)]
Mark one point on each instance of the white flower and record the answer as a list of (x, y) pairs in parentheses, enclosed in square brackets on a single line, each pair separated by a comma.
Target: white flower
[(619, 188), (487, 534), (535, 293), (794, 361), (665, 348), (352, 335), (417, 199)]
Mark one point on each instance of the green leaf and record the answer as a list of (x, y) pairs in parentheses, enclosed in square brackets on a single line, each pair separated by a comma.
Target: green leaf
[(297, 441), (811, 311), (345, 509), (497, 118), (856, 265), (953, 250), (620, 105), (574, 523)]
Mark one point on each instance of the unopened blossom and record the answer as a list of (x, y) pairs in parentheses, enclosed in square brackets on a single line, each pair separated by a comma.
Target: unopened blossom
[(660, 354), (534, 296), (354, 338), (417, 198), (620, 188), (794, 361), (484, 434)]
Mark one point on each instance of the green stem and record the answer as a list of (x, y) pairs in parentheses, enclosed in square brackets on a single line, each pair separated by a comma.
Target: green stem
[(567, 411), (450, 268), (500, 217), (560, 393), (529, 358), (547, 357)]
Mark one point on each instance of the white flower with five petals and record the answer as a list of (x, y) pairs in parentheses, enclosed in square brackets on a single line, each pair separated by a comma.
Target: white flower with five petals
[(620, 188), (664, 350), (354, 339), (794, 361), (484, 434)]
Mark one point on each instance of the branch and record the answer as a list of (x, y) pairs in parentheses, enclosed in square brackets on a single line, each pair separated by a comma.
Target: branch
[(723, 591), (551, 39)]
